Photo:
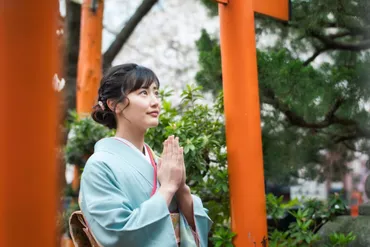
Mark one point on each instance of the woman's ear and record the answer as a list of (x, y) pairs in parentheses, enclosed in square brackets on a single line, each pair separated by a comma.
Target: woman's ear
[(117, 107), (111, 104)]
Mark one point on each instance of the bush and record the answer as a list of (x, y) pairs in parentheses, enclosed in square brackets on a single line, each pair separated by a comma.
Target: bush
[(83, 134), (308, 216)]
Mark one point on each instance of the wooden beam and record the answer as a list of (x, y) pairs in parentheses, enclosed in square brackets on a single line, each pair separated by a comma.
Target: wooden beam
[(279, 9)]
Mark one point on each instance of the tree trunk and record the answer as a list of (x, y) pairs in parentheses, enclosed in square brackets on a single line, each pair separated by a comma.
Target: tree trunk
[(68, 100), (73, 19)]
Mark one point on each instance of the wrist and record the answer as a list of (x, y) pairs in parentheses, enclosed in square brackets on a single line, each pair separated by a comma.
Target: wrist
[(167, 189), (183, 190), (167, 193)]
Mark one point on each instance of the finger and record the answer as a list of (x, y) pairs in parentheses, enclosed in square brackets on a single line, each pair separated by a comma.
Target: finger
[(176, 146), (183, 162), (169, 149), (159, 164), (177, 143), (165, 146), (165, 149), (179, 157), (181, 151), (170, 145)]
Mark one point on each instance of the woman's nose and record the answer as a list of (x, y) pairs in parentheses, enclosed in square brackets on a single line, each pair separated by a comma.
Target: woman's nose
[(155, 100)]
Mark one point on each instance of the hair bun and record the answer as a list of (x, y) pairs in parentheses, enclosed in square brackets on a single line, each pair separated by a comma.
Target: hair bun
[(105, 118)]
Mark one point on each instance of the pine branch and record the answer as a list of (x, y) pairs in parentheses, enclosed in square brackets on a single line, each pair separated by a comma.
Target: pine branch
[(342, 45), (315, 55), (339, 34), (343, 139), (268, 97), (330, 114), (352, 147)]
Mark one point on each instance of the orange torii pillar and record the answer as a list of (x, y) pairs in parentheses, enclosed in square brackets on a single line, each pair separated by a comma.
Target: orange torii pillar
[(242, 114), (89, 60), (28, 125), (89, 69)]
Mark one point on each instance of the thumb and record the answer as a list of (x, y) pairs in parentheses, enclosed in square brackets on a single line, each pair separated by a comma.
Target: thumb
[(159, 165)]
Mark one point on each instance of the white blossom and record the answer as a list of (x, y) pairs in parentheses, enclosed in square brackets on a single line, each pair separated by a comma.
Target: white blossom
[(58, 84)]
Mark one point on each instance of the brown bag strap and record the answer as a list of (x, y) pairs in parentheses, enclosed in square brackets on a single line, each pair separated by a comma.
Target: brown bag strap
[(80, 232)]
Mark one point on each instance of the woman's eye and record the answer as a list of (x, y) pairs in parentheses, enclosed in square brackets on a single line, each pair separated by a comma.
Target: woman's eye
[(143, 92), (156, 93)]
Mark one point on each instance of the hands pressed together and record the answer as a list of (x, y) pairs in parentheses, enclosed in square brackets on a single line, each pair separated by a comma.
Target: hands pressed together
[(171, 168), (172, 176)]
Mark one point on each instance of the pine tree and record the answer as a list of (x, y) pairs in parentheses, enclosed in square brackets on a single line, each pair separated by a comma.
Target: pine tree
[(307, 108)]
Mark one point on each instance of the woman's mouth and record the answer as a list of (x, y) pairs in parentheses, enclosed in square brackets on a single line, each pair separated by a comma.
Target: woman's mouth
[(154, 113)]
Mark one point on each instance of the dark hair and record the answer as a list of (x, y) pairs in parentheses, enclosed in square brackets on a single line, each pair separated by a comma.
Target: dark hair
[(116, 83)]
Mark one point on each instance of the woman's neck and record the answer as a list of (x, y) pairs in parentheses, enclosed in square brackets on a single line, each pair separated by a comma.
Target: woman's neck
[(135, 136)]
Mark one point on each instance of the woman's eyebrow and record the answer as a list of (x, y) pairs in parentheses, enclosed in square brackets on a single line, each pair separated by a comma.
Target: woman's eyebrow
[(147, 87)]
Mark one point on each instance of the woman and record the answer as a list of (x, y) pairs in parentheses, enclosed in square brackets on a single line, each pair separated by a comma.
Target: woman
[(127, 200)]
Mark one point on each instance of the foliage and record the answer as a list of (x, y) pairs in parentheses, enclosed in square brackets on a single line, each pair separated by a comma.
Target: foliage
[(222, 237), (275, 206), (309, 217), (83, 134), (212, 7), (306, 107), (210, 74), (341, 240)]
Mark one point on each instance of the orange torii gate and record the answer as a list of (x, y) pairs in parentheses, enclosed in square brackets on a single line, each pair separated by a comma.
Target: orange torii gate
[(242, 114)]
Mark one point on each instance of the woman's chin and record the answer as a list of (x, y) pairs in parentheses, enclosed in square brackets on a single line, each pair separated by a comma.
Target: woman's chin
[(153, 124)]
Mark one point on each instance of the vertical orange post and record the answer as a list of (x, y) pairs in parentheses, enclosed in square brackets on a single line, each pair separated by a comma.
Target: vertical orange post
[(89, 60), (243, 125), (28, 132), (242, 113)]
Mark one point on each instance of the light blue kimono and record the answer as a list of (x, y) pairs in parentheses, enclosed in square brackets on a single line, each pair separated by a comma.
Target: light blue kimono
[(115, 199)]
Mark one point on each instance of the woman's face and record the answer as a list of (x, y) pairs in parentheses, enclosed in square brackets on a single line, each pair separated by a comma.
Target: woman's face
[(144, 107)]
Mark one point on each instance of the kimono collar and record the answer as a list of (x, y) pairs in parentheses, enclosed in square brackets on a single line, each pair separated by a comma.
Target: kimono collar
[(127, 155)]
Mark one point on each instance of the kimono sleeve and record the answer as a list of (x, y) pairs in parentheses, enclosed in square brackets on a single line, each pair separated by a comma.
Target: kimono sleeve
[(113, 220), (203, 223), (202, 220)]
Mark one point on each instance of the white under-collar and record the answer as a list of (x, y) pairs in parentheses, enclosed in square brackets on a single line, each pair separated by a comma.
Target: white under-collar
[(146, 155)]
